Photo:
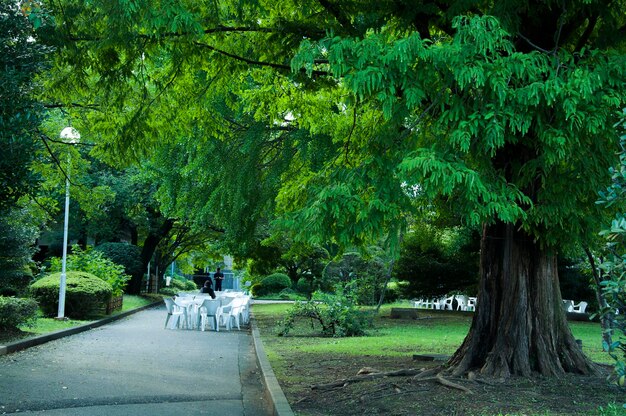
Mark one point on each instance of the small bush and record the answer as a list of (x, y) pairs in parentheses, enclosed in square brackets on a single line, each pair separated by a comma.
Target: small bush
[(273, 283), (337, 314), (190, 285), (95, 263), (86, 295), (168, 291), (179, 284), (304, 286), (17, 311)]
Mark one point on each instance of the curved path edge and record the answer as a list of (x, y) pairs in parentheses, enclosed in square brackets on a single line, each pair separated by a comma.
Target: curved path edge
[(275, 395)]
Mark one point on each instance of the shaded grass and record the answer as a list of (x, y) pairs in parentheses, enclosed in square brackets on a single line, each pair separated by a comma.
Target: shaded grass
[(433, 333)]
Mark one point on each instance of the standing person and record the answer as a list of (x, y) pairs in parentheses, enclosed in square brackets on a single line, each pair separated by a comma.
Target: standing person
[(208, 288), (219, 278)]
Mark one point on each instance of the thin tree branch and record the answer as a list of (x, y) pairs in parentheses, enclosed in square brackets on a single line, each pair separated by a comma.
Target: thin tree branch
[(539, 48), (69, 144), (44, 209)]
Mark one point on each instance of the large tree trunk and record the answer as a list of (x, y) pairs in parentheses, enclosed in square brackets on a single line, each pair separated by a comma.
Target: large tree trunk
[(520, 326)]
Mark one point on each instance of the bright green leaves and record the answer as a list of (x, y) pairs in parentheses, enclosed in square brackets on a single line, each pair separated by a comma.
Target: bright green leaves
[(486, 197), (498, 130), (481, 35)]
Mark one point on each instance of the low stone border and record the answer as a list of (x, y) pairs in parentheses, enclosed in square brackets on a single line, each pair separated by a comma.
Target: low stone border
[(273, 391), (41, 339)]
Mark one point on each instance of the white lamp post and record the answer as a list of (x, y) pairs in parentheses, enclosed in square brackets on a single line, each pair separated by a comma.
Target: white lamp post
[(71, 135)]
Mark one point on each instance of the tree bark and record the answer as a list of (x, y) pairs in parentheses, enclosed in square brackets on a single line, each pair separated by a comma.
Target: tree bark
[(520, 326), (149, 246)]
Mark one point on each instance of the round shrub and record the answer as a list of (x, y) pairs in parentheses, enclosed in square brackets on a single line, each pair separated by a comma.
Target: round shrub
[(274, 283), (179, 285), (85, 294), (96, 263), (190, 285), (304, 286), (16, 311)]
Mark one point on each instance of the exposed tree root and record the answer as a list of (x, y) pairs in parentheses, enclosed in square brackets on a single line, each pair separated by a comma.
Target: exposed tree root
[(364, 377), (420, 375), (449, 383)]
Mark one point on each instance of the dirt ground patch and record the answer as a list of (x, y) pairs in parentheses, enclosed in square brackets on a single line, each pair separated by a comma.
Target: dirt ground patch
[(406, 395)]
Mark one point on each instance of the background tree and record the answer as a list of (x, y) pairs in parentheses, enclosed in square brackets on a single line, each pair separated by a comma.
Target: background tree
[(22, 57), (502, 110), (436, 262)]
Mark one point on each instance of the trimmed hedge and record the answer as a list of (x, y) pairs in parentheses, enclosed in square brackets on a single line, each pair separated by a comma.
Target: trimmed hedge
[(17, 311), (86, 295), (274, 283)]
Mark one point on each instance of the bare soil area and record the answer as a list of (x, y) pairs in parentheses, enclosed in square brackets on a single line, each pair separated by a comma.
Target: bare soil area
[(302, 377)]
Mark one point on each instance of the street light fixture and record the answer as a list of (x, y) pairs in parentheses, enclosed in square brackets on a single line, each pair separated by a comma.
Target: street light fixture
[(70, 136)]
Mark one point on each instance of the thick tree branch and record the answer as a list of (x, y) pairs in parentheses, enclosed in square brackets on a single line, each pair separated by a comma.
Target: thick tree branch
[(70, 105), (333, 9), (217, 29), (258, 63), (593, 20)]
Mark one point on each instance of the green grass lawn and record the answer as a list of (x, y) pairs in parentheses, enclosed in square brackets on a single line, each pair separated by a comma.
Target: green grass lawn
[(443, 333), (47, 325)]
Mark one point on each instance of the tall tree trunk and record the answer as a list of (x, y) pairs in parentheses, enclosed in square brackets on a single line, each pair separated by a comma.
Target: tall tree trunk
[(520, 326), (149, 246)]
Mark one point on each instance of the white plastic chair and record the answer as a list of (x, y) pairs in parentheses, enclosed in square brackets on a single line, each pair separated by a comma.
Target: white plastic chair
[(461, 302), (580, 307), (173, 311), (568, 305), (471, 304), (448, 303), (245, 312), (187, 308), (227, 309), (236, 312), (210, 308)]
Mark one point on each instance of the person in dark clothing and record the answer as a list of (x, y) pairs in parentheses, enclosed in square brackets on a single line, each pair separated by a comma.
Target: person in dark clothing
[(219, 278), (208, 288)]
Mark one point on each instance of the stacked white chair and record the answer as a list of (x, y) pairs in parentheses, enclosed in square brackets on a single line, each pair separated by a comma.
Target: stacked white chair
[(237, 311), (173, 311), (448, 303), (246, 309), (227, 309), (461, 302)]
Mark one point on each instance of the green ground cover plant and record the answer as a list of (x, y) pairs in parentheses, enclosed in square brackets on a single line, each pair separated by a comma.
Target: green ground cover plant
[(43, 325), (303, 359)]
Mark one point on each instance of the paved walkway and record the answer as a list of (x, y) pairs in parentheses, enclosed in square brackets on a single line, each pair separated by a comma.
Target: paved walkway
[(135, 367)]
